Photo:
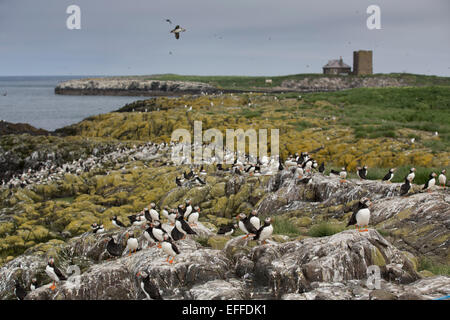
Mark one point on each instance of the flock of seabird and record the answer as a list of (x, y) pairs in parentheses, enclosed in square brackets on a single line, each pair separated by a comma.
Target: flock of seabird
[(182, 219)]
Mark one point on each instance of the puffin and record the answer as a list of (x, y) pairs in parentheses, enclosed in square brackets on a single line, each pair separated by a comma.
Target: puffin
[(342, 174), (183, 226), (97, 228), (188, 209), (361, 215), (169, 248), (227, 230), (54, 273), (20, 291), (404, 188), (192, 218), (430, 182), (176, 235), (442, 178), (148, 235), (299, 172), (169, 214), (153, 213), (178, 182), (181, 210), (245, 225), (322, 167), (362, 172), (34, 284), (254, 220), (132, 244), (265, 232), (113, 248), (177, 31), (388, 177), (158, 232), (411, 175), (116, 222), (148, 286)]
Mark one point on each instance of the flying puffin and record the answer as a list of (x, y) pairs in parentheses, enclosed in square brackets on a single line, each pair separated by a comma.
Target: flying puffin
[(265, 232), (361, 215), (245, 225), (132, 244), (177, 31), (54, 273), (20, 291), (404, 188), (148, 286), (169, 248), (227, 230), (442, 178), (113, 248), (388, 177), (411, 175), (117, 222), (192, 218), (430, 182), (183, 226), (362, 172)]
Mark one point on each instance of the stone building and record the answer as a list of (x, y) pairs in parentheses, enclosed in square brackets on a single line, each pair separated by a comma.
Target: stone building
[(336, 67), (362, 62)]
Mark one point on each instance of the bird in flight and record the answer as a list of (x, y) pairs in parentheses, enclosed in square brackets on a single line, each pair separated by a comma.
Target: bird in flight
[(177, 31), (168, 20)]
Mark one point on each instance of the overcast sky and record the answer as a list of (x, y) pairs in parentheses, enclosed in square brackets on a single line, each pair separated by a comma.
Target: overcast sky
[(223, 37)]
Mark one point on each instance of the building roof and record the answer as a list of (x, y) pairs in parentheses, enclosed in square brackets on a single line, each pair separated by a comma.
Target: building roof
[(336, 64)]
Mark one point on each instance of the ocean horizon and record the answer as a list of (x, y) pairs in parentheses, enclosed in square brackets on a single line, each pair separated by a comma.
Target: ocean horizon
[(31, 99)]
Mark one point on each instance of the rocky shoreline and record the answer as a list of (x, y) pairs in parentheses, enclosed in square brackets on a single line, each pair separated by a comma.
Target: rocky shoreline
[(136, 87)]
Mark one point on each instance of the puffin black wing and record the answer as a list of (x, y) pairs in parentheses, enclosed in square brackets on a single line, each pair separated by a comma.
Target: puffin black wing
[(249, 226), (176, 234), (404, 188), (225, 228), (335, 172), (174, 248), (352, 220), (322, 167), (258, 233), (185, 226), (59, 273), (152, 289), (113, 248), (120, 224), (387, 176), (20, 291)]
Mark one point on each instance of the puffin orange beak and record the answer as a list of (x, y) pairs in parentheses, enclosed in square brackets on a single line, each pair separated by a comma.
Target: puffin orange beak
[(138, 274)]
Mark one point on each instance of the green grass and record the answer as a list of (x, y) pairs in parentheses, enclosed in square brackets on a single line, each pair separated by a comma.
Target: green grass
[(381, 112), (253, 82), (324, 229), (284, 226), (422, 174), (433, 267)]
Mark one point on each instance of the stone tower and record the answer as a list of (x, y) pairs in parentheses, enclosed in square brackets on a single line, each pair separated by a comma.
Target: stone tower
[(362, 62)]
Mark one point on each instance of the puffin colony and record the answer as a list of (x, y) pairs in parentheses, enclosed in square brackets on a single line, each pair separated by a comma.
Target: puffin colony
[(165, 227)]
